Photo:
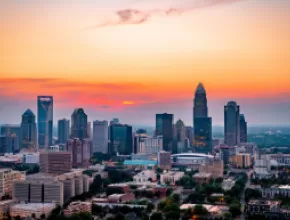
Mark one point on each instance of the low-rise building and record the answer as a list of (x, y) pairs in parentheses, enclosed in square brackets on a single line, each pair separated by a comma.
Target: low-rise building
[(215, 168), (27, 209), (120, 187), (260, 206), (5, 208), (228, 184), (202, 178), (170, 177), (121, 198), (145, 176), (77, 207), (214, 210), (7, 177), (276, 190)]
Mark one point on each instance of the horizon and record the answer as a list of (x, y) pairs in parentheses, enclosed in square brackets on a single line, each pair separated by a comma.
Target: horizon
[(133, 59)]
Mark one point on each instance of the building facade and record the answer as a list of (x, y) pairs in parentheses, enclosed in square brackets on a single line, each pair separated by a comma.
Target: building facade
[(164, 160), (13, 133), (44, 121), (232, 123), (170, 177), (243, 129), (7, 177), (56, 163), (100, 136), (9, 144), (63, 130), (28, 131), (121, 139), (164, 128), (81, 150)]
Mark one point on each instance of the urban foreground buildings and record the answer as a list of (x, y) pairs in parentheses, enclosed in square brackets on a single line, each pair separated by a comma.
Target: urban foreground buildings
[(121, 139), (7, 177), (28, 131), (164, 128), (202, 123), (232, 123), (243, 129), (44, 121)]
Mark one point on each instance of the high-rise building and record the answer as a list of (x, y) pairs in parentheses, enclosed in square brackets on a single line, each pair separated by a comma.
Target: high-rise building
[(189, 134), (202, 123), (243, 129), (9, 144), (79, 126), (81, 150), (63, 130), (232, 124), (44, 120), (28, 131), (9, 130), (100, 136), (89, 130), (53, 162), (121, 139), (180, 134), (164, 127)]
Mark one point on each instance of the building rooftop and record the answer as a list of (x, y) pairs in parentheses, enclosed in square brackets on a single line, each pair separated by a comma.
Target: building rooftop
[(4, 202), (263, 202), (140, 162), (33, 206), (210, 208), (202, 175)]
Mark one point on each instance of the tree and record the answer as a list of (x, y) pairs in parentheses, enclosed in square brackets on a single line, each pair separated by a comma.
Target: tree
[(235, 209), (172, 215), (156, 216), (33, 216), (228, 215), (150, 207), (176, 198), (42, 216), (161, 205), (200, 210), (169, 191), (119, 216)]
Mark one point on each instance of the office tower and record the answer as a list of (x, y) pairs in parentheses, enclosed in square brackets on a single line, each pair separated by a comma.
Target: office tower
[(189, 134), (53, 162), (89, 129), (164, 127), (63, 130), (100, 136), (81, 150), (164, 160), (180, 131), (9, 144), (121, 139), (79, 126), (232, 123), (9, 130), (114, 121), (225, 153), (202, 123), (44, 120), (243, 129), (28, 131)]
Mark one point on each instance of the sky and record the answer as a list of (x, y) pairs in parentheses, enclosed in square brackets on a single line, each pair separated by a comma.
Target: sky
[(131, 59)]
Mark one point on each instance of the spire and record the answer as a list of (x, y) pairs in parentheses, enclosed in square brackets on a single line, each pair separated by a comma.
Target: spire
[(200, 88)]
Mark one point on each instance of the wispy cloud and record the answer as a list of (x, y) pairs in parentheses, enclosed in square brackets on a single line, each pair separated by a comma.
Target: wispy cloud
[(136, 16)]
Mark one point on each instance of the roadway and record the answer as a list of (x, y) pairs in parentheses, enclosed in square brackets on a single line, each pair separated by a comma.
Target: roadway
[(242, 200)]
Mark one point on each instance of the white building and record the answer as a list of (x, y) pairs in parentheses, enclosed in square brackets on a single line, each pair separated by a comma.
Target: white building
[(147, 145), (23, 210), (7, 177), (145, 176), (31, 158), (170, 177), (276, 190), (262, 168), (100, 136)]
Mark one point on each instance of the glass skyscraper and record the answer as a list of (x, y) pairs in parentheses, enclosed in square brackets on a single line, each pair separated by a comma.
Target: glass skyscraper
[(28, 131), (44, 120), (121, 139), (202, 123), (232, 123), (63, 130), (243, 129), (79, 124), (164, 128)]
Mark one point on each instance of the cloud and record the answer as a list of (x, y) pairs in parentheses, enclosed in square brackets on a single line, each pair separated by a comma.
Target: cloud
[(135, 16)]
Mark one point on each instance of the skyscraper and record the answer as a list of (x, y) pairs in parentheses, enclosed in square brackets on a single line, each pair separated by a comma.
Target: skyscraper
[(12, 132), (202, 123), (243, 129), (100, 136), (180, 134), (63, 130), (232, 123), (79, 126), (44, 120), (28, 131), (121, 139), (164, 127)]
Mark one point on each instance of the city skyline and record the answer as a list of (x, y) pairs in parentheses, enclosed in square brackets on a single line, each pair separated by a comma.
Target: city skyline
[(117, 67)]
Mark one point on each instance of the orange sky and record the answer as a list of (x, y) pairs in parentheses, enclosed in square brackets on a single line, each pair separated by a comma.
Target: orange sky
[(238, 50)]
